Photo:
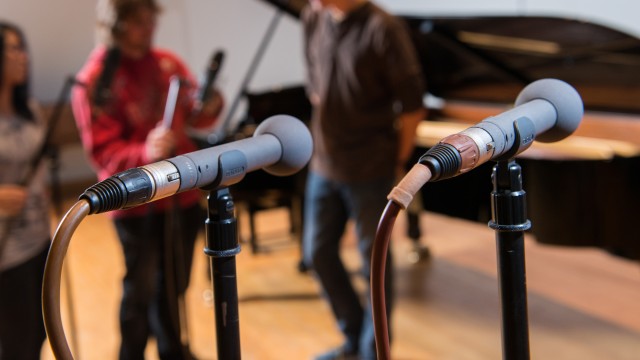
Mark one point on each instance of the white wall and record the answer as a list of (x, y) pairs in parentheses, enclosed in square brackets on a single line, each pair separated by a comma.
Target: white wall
[(464, 7), (618, 14), (61, 33)]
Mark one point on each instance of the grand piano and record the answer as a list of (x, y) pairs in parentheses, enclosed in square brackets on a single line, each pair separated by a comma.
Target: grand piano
[(582, 191)]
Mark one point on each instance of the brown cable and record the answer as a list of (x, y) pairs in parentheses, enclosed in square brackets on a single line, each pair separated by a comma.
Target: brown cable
[(411, 183), (378, 262), (399, 198), (52, 275)]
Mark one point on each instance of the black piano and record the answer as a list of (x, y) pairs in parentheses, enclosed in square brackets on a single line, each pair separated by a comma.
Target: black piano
[(582, 192)]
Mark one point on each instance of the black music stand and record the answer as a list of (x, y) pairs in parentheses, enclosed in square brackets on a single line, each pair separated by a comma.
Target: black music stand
[(509, 220)]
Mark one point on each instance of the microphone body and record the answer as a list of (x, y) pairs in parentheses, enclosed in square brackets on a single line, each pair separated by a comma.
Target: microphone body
[(212, 73), (549, 109), (281, 144)]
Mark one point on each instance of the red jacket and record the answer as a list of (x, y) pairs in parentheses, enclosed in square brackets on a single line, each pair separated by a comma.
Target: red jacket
[(114, 136)]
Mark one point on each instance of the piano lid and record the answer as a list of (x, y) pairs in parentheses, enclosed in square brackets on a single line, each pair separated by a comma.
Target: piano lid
[(291, 7), (491, 58)]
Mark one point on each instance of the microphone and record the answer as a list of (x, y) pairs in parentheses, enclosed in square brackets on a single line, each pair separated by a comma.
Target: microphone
[(212, 73), (281, 145), (547, 109)]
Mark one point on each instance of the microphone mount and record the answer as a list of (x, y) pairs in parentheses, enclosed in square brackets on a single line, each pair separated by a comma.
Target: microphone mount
[(457, 153)]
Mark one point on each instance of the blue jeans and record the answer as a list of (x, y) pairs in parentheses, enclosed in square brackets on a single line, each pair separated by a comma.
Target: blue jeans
[(328, 207), (151, 284)]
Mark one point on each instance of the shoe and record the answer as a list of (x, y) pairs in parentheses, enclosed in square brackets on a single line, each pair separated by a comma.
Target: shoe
[(419, 254), (341, 353)]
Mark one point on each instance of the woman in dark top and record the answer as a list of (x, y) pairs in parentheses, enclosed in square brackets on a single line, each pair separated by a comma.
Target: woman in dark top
[(24, 220)]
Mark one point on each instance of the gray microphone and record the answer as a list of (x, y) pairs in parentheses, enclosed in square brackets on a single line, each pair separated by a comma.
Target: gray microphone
[(281, 145), (546, 110)]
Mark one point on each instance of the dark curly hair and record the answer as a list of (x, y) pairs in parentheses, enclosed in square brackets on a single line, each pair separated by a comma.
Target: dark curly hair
[(110, 14), (21, 91)]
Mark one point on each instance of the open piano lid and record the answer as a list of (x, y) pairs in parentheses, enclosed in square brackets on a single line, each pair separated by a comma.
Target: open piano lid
[(491, 58), (291, 7)]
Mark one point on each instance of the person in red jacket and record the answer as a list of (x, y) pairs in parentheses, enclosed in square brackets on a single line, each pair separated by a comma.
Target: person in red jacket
[(119, 113)]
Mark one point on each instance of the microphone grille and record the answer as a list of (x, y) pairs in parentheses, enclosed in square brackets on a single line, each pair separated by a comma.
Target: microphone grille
[(296, 142), (564, 98)]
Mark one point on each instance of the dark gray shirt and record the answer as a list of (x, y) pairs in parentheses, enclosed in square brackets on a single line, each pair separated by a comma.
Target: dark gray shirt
[(365, 72)]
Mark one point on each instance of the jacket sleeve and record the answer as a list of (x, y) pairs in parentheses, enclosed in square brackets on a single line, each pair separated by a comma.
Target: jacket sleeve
[(102, 135)]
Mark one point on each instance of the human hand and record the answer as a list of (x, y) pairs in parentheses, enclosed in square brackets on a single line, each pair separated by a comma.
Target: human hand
[(160, 143), (314, 99), (212, 106), (12, 199)]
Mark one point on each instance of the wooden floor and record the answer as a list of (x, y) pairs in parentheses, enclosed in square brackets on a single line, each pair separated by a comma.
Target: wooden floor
[(583, 303)]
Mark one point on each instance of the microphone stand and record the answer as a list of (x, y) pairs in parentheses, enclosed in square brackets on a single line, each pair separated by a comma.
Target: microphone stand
[(44, 151), (222, 246), (509, 220)]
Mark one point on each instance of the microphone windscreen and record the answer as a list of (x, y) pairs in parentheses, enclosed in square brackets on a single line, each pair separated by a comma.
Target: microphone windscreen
[(296, 141), (566, 101)]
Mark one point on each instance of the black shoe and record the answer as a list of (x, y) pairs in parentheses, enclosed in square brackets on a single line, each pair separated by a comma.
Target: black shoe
[(419, 253), (341, 353)]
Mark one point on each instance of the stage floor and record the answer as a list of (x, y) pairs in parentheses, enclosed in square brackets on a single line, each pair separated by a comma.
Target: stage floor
[(583, 303)]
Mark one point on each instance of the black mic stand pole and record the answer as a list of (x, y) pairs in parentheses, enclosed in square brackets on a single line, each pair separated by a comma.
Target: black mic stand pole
[(222, 246), (509, 220)]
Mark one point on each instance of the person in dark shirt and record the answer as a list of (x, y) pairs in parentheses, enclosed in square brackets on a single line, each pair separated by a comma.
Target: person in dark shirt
[(365, 85)]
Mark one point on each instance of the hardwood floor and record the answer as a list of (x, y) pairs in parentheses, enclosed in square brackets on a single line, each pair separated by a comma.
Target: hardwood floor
[(583, 303)]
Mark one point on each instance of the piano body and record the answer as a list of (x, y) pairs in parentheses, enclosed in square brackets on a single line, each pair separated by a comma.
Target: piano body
[(582, 191)]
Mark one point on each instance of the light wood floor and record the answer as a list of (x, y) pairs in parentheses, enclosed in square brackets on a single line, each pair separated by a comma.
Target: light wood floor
[(583, 303)]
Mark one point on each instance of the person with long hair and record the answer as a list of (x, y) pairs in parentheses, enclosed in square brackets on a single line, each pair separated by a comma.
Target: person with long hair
[(24, 203)]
